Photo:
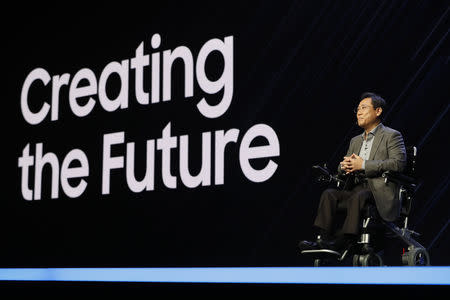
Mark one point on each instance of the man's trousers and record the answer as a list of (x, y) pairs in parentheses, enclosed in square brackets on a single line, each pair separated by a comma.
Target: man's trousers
[(352, 200)]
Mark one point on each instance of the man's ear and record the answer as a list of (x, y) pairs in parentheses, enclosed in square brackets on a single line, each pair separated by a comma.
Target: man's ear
[(379, 110)]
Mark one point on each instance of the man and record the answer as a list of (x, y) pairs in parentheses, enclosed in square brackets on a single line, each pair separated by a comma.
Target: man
[(378, 149)]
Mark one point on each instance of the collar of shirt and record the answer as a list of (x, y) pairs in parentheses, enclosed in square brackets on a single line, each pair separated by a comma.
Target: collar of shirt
[(371, 133)]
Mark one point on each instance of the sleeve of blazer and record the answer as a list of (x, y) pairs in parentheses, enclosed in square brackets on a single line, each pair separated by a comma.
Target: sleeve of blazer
[(396, 160)]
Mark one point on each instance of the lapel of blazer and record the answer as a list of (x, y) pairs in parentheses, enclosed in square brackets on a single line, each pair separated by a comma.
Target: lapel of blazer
[(357, 145), (379, 134)]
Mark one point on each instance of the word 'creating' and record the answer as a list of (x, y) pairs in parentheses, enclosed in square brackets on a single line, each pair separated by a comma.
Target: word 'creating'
[(79, 92)]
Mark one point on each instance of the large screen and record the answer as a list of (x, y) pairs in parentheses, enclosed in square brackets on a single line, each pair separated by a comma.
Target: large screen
[(183, 134)]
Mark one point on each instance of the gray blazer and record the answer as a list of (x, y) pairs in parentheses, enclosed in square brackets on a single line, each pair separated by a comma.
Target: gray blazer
[(387, 154)]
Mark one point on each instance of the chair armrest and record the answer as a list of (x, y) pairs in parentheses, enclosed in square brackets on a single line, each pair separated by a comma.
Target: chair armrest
[(323, 175), (399, 178)]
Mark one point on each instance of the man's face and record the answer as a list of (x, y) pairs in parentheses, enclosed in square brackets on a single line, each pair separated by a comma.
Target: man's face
[(366, 114)]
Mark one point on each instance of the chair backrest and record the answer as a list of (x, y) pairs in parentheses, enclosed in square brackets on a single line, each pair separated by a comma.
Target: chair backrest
[(410, 170), (411, 156)]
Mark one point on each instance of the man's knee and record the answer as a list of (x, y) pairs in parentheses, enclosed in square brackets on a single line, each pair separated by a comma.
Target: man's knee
[(365, 194), (329, 191), (329, 194), (360, 198)]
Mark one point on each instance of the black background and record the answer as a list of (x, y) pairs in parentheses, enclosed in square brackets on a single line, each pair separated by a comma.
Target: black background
[(299, 66)]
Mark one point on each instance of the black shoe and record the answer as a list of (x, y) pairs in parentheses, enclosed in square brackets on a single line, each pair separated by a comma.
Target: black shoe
[(308, 245), (319, 243), (326, 244)]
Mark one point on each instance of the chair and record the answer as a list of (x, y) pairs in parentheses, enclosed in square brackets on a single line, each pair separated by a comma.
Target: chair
[(365, 252)]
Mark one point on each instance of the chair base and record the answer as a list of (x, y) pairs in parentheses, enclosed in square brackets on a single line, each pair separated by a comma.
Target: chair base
[(363, 253)]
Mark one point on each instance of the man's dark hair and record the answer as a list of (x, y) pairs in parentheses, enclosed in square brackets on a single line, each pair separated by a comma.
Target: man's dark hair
[(377, 101)]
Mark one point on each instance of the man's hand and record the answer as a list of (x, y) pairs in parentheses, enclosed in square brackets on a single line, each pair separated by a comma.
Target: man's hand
[(351, 163), (345, 164)]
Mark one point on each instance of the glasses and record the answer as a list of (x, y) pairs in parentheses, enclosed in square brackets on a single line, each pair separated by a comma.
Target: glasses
[(362, 107)]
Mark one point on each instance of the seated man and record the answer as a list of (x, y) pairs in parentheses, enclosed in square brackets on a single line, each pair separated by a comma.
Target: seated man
[(378, 149)]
